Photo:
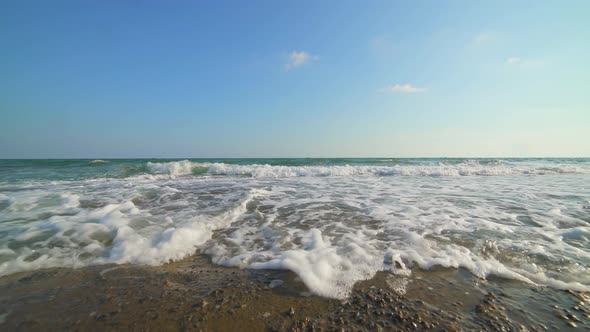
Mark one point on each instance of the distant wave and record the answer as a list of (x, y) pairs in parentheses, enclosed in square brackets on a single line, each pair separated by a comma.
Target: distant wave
[(440, 169), (98, 161), (177, 168)]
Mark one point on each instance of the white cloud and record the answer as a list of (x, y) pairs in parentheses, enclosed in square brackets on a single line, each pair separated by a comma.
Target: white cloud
[(513, 60), (403, 88), (297, 59), (517, 61)]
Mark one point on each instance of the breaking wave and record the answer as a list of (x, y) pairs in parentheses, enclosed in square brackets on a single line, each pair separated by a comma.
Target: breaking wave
[(76, 236), (331, 224), (467, 168)]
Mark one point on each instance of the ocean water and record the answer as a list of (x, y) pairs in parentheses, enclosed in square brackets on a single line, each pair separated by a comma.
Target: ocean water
[(331, 221)]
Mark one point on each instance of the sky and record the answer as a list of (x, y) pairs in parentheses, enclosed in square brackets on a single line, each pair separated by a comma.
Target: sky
[(182, 79)]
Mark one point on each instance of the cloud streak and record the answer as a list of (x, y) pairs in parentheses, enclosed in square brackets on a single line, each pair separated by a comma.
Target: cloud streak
[(517, 61), (403, 88), (298, 58), (513, 60)]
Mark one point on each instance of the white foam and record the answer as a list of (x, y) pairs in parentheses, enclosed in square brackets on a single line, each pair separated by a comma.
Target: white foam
[(174, 242), (331, 225), (470, 168), (419, 225), (327, 270), (99, 161), (89, 231), (173, 168)]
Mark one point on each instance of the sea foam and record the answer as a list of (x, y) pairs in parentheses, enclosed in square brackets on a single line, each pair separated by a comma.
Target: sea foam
[(110, 234), (467, 168), (330, 225)]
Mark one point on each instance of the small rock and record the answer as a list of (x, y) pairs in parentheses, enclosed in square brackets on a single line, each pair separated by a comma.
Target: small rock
[(275, 283)]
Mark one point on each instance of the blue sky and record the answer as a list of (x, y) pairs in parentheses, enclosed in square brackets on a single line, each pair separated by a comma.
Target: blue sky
[(90, 79)]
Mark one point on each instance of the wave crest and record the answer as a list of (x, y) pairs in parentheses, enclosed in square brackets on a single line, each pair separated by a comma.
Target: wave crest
[(466, 168), (98, 162)]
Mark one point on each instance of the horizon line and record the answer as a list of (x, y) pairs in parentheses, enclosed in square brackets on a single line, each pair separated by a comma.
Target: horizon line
[(186, 158)]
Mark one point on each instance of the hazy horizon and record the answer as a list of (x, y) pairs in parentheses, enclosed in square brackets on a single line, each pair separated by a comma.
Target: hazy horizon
[(271, 158)]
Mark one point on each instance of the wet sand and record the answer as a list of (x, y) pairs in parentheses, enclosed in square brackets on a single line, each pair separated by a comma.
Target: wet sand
[(195, 295)]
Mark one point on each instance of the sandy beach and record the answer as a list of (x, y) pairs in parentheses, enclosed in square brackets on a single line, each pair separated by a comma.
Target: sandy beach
[(195, 295)]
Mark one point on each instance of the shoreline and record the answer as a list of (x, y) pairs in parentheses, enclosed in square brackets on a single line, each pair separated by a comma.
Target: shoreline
[(194, 294)]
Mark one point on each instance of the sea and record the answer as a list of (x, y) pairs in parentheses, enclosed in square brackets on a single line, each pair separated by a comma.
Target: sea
[(333, 222)]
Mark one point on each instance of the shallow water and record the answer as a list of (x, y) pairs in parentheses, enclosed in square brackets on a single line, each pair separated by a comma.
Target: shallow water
[(333, 222)]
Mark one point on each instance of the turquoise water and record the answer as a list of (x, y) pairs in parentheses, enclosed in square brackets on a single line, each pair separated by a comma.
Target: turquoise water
[(333, 222)]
